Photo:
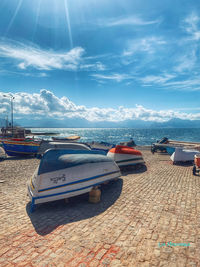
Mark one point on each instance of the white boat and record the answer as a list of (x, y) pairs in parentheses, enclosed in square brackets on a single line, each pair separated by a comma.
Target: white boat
[(45, 145), (67, 173), (125, 156), (183, 155)]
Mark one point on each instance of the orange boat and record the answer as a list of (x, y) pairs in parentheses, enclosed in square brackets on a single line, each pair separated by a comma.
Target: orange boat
[(125, 156)]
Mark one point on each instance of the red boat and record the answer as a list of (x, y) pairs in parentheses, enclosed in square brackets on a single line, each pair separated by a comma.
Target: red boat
[(125, 156)]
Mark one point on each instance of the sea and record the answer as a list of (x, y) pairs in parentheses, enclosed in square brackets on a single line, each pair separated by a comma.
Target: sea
[(117, 135)]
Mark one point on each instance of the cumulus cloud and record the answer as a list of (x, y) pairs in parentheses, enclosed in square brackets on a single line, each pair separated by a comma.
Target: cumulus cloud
[(45, 105)]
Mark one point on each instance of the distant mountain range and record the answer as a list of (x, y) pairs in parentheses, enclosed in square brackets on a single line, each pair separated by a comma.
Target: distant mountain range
[(82, 123)]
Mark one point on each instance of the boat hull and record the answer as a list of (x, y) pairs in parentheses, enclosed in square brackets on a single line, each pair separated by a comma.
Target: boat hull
[(170, 150), (183, 155), (20, 148), (73, 174), (125, 156)]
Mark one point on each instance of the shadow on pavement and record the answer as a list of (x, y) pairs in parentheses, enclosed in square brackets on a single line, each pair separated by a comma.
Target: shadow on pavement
[(183, 164), (133, 169), (49, 216)]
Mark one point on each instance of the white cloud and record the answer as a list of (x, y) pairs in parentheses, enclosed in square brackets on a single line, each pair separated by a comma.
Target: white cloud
[(24, 56), (147, 45), (159, 79), (131, 20), (114, 77), (45, 104), (192, 26), (30, 56), (172, 82)]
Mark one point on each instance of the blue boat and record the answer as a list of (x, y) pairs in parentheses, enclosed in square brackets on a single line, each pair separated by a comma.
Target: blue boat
[(21, 148)]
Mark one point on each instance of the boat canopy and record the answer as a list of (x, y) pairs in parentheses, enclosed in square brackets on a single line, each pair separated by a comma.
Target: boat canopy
[(54, 160)]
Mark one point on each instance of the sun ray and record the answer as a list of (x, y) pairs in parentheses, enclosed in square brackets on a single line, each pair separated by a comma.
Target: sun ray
[(36, 20), (14, 16), (68, 23)]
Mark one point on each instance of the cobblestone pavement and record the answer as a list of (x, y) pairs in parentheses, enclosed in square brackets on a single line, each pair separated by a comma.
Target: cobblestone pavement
[(131, 226)]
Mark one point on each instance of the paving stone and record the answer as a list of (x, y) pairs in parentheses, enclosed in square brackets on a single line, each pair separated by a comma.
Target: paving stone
[(137, 213)]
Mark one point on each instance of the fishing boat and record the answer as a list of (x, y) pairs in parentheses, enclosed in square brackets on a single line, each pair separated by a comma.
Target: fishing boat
[(125, 156), (184, 155), (45, 145), (27, 147), (67, 173)]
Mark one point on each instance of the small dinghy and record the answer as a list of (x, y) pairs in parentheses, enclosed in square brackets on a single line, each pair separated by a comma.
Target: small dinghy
[(125, 156), (101, 146), (67, 173), (183, 155), (72, 138)]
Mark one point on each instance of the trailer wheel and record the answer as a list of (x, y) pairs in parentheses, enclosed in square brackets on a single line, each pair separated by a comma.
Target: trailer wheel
[(194, 170)]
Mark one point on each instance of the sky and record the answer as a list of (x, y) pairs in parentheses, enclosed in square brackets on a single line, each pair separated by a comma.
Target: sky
[(100, 60)]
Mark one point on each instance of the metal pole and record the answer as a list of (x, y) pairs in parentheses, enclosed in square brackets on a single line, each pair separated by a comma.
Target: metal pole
[(12, 113)]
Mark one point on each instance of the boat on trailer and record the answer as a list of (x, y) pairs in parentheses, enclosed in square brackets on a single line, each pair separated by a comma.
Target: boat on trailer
[(125, 156), (67, 173)]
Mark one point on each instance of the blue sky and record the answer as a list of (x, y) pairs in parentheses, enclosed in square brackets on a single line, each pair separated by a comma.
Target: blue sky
[(101, 60)]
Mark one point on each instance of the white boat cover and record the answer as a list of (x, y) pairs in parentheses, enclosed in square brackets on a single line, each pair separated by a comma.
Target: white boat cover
[(45, 145), (54, 160), (183, 155)]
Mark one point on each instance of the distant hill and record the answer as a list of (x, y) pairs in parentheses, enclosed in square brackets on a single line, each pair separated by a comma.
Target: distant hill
[(177, 123), (83, 123)]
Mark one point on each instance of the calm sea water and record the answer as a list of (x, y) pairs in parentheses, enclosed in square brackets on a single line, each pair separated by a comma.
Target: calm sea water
[(116, 135)]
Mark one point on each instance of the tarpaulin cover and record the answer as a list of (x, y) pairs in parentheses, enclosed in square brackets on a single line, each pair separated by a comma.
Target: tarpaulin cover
[(60, 159)]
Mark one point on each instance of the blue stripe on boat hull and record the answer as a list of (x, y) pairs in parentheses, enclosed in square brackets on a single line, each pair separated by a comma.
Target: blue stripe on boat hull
[(19, 150), (79, 181)]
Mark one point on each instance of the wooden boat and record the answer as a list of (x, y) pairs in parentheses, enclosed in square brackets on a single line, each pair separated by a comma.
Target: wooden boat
[(26, 147), (125, 156), (183, 155), (67, 139), (66, 173), (45, 145)]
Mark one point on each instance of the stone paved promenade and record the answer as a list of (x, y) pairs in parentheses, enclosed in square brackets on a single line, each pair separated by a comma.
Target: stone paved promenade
[(137, 217)]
